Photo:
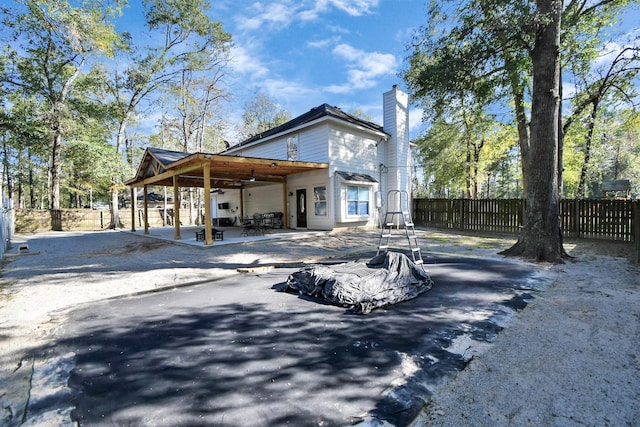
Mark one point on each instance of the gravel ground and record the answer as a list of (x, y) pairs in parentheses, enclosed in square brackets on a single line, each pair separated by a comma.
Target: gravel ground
[(570, 358)]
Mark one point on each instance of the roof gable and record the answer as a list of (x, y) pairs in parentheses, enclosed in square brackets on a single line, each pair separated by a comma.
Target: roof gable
[(156, 161), (324, 110)]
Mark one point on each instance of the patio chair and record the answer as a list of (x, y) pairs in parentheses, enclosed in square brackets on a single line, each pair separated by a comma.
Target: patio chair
[(259, 224), (248, 228), (216, 234)]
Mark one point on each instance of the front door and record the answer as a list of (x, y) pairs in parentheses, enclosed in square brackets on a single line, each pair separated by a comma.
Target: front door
[(301, 208)]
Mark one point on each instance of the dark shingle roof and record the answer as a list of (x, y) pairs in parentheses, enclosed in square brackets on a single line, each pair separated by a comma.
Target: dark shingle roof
[(313, 114), (167, 156), (359, 177)]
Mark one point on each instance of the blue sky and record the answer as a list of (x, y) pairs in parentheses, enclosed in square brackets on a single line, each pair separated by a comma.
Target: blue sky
[(304, 53)]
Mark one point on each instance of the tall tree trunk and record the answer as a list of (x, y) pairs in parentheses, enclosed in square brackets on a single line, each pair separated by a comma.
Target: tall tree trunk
[(32, 189), (468, 173), (115, 222), (5, 167), (560, 142), (55, 181), (21, 196), (587, 152), (522, 124), (541, 237)]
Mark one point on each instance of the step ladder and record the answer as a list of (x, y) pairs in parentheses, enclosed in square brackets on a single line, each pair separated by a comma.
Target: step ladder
[(398, 217)]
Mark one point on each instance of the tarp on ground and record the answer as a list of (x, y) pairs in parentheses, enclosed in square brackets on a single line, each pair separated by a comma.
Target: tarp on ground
[(386, 279)]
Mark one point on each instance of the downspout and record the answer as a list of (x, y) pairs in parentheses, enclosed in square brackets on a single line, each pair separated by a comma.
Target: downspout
[(381, 169)]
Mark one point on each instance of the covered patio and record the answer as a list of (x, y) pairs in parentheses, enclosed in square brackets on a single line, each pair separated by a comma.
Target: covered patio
[(211, 172), (232, 235)]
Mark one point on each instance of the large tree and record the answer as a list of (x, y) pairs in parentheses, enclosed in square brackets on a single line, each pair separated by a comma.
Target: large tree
[(614, 86), (50, 44), (494, 51), (541, 237), (191, 42), (261, 113)]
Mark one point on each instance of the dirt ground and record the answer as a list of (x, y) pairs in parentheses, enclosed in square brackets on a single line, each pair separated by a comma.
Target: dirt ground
[(592, 307)]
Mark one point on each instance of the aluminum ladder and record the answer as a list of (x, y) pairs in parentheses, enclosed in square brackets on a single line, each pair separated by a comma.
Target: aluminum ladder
[(398, 217)]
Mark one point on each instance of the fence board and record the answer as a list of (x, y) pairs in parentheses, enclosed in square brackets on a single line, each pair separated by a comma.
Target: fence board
[(594, 219), (36, 220)]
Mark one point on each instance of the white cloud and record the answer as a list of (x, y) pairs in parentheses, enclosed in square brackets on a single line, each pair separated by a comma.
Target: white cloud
[(355, 7), (363, 68), (415, 122), (324, 43), (284, 91), (283, 12), (312, 14), (244, 62), (351, 7), (273, 15)]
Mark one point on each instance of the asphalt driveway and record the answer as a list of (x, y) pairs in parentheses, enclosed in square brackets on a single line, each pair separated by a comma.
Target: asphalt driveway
[(239, 352)]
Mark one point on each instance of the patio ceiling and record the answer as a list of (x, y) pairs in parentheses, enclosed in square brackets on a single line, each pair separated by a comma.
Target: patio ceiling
[(159, 167)]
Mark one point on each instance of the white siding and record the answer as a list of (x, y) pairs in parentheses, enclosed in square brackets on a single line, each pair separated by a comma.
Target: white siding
[(351, 151), (396, 123), (309, 181), (312, 146), (263, 198), (233, 198), (276, 149), (346, 148)]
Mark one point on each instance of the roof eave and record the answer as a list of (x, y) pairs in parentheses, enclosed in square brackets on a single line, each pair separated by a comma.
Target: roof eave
[(379, 133)]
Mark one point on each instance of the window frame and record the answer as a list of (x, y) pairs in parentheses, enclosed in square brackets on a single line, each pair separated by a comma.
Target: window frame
[(292, 148), (320, 206), (357, 203)]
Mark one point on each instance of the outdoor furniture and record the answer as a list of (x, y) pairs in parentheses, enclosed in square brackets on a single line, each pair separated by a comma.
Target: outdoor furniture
[(254, 226), (217, 234), (273, 219)]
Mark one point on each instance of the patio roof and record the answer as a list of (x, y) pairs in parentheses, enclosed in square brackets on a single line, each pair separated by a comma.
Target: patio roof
[(209, 171), (159, 167)]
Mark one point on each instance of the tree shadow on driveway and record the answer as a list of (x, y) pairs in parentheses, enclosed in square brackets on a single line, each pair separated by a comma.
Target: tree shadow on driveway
[(237, 352)]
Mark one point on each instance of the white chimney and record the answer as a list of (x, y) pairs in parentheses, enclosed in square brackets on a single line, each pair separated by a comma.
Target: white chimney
[(396, 123)]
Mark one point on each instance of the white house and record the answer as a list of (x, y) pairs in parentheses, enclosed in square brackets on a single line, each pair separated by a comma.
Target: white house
[(365, 162), (322, 170)]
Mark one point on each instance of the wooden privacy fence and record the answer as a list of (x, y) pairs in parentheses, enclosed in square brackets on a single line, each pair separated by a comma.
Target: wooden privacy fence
[(36, 220), (594, 219)]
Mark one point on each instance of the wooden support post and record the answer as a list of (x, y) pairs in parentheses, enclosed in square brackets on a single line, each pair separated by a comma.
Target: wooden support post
[(208, 237), (133, 208), (146, 210), (176, 209), (285, 218)]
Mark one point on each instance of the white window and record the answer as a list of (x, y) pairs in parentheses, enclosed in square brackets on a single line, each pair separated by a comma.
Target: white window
[(292, 148), (358, 200), (320, 200), (356, 194)]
